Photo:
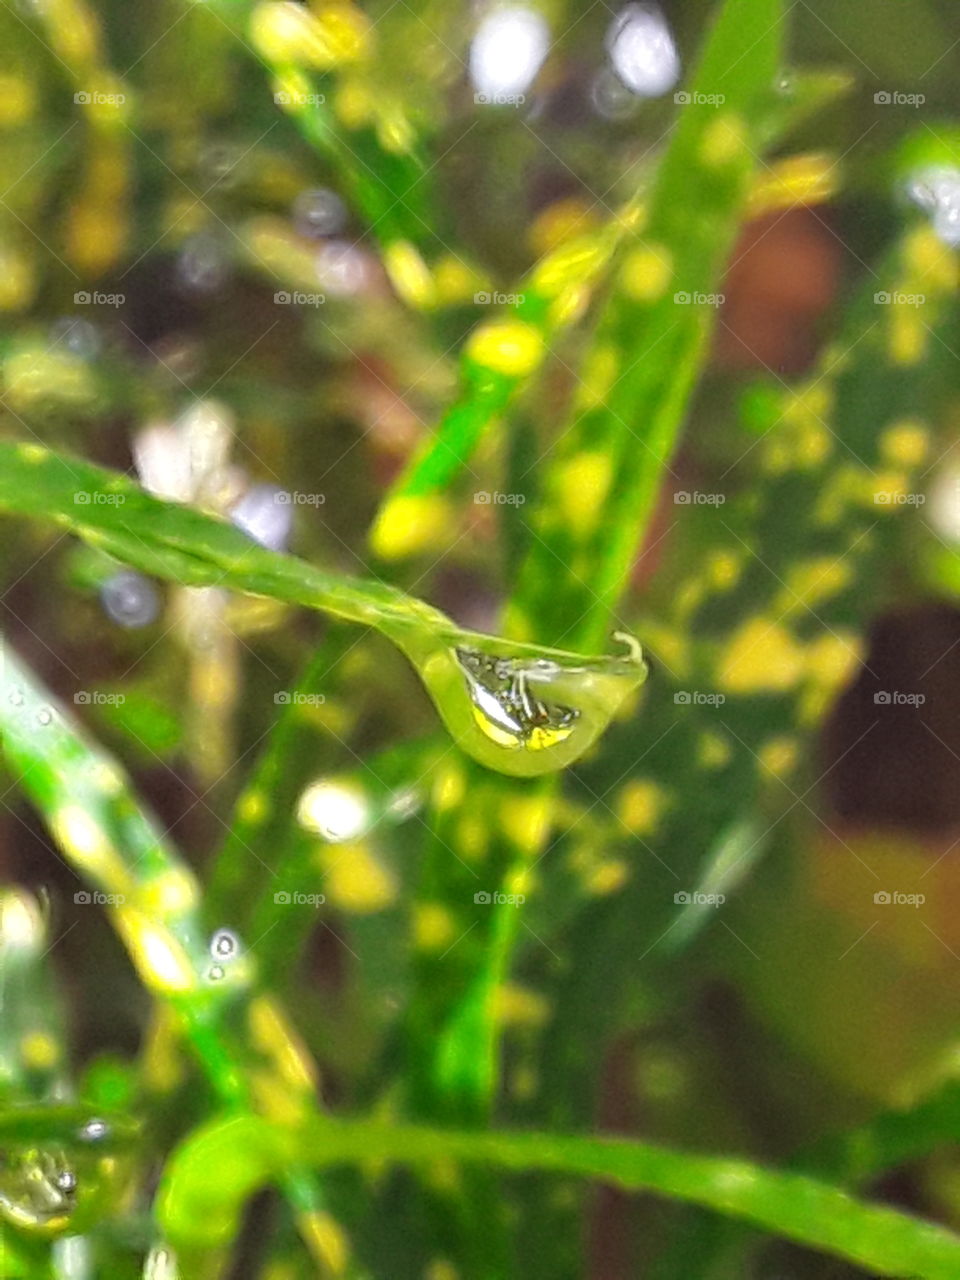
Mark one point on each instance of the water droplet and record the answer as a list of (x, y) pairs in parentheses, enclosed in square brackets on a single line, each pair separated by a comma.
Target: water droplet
[(224, 944), (517, 712), (82, 337), (216, 973), (336, 810), (44, 716), (130, 599), (507, 51), (95, 1131), (15, 697), (611, 98), (265, 514), (319, 212), (936, 190), (203, 265), (642, 51)]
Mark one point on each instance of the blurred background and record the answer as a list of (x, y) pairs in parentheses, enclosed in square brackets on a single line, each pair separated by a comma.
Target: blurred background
[(191, 292)]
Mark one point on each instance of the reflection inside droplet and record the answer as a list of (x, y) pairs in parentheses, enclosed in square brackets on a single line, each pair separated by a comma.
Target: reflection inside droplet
[(642, 51), (506, 707), (36, 1186), (514, 711)]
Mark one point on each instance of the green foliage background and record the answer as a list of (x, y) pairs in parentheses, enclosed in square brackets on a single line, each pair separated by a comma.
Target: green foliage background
[(428, 1070)]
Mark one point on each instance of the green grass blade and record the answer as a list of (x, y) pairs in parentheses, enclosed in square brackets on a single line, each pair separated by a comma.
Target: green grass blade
[(197, 1210)]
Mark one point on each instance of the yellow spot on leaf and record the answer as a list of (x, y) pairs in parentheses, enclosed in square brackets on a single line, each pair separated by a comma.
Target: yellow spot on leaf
[(526, 819), (762, 657), (410, 524), (808, 584), (581, 486), (356, 881), (450, 786), (778, 756), (510, 347), (517, 1006), (39, 1052), (326, 1239), (409, 274), (723, 569), (807, 179), (647, 272), (713, 750), (160, 960), (724, 141), (599, 375), (640, 806), (434, 927), (905, 443), (607, 878)]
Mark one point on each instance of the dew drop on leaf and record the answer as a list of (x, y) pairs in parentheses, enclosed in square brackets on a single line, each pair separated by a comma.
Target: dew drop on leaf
[(517, 712), (224, 944)]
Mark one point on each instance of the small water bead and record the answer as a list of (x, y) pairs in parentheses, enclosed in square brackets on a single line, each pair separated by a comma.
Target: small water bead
[(95, 1131), (15, 697), (129, 599), (642, 51), (507, 51), (216, 973), (224, 944), (319, 212), (203, 265), (937, 191), (44, 716), (265, 514), (82, 337)]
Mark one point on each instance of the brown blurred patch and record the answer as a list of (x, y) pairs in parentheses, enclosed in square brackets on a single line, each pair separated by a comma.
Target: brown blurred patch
[(782, 278)]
